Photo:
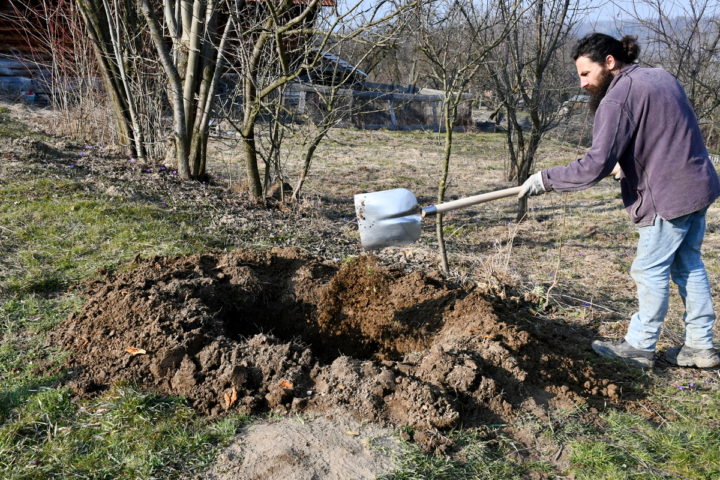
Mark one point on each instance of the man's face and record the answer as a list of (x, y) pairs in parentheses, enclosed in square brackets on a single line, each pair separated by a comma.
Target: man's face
[(595, 78), (591, 73)]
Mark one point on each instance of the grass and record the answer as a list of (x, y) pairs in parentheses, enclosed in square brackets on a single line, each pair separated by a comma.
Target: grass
[(57, 231), (682, 445), (26, 363), (9, 127), (123, 433), (476, 458)]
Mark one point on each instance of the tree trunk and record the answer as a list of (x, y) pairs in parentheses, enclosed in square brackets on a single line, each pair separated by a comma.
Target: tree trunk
[(99, 32), (306, 163), (450, 114), (251, 164), (180, 132), (522, 209)]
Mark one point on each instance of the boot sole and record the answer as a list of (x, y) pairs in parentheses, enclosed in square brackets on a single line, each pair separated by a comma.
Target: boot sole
[(697, 364), (672, 357)]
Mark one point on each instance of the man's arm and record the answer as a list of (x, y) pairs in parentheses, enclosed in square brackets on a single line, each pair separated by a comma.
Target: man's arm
[(612, 134)]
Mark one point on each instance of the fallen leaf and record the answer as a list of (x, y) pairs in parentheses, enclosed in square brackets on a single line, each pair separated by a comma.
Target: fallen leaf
[(135, 351), (230, 398), (286, 385)]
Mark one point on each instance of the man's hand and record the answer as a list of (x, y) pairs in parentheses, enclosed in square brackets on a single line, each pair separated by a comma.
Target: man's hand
[(532, 186), (616, 172)]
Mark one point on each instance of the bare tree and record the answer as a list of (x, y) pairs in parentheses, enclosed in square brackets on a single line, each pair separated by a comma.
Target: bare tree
[(331, 94), (108, 25), (687, 44), (455, 38), (185, 38), (331, 104), (530, 79), (62, 60), (190, 48), (271, 51)]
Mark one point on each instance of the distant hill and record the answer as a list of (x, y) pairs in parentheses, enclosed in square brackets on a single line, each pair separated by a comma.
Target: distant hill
[(615, 27)]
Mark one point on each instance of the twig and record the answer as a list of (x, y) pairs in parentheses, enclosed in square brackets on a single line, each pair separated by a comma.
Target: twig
[(590, 303), (560, 252)]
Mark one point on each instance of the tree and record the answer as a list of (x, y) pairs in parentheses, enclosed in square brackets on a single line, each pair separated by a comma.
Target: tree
[(688, 46), (455, 39), (278, 44), (334, 104), (198, 32), (530, 79), (188, 39), (114, 31)]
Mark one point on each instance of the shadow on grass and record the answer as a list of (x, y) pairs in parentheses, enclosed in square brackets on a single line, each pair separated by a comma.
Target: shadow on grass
[(14, 397)]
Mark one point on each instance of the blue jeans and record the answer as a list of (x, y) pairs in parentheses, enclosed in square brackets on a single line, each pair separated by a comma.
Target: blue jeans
[(671, 249)]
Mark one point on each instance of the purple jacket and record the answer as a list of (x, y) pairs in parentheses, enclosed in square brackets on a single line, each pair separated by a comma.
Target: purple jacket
[(646, 123)]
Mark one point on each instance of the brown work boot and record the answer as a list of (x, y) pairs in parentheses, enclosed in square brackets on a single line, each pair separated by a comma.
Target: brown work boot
[(693, 357), (624, 351)]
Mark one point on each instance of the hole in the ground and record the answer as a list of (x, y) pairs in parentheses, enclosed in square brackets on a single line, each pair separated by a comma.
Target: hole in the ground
[(292, 320), (359, 313)]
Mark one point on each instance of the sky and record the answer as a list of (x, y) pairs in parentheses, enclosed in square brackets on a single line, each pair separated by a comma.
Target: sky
[(604, 10), (616, 17)]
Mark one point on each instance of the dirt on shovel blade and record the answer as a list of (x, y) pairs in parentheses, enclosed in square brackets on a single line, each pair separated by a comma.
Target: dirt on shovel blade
[(284, 331)]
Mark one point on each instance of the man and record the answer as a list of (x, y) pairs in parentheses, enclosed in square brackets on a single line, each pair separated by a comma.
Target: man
[(645, 125)]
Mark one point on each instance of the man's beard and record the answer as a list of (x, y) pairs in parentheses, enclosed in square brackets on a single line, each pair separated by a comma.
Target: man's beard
[(596, 97)]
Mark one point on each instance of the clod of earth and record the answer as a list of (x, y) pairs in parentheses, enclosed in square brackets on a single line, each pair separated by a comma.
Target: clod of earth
[(282, 330)]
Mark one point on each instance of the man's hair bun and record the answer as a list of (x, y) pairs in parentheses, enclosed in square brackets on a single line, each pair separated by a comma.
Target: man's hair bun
[(631, 48)]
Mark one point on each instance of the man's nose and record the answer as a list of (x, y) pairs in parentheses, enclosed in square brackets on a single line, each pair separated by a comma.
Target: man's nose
[(583, 83)]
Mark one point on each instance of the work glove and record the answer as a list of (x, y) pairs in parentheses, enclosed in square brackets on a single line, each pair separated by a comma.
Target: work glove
[(616, 172), (532, 186)]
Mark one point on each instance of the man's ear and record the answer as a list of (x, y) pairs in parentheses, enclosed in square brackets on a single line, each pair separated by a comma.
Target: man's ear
[(610, 62)]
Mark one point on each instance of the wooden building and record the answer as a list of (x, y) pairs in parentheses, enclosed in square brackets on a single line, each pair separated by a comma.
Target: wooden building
[(23, 60)]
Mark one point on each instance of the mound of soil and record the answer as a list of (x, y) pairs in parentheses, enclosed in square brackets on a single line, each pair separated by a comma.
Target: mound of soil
[(285, 331)]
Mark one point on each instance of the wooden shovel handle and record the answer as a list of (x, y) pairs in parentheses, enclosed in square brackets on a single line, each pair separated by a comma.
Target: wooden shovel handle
[(466, 202)]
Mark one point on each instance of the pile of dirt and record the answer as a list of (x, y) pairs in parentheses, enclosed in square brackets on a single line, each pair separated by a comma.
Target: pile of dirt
[(286, 331)]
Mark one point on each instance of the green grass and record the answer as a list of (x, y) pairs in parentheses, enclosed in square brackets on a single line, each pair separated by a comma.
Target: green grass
[(686, 444), (123, 433), (9, 127), (59, 234), (476, 458)]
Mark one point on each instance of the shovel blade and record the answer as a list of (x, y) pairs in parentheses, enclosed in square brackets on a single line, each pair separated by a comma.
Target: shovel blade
[(387, 218)]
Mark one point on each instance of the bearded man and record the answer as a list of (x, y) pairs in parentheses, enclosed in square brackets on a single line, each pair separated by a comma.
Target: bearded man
[(645, 125)]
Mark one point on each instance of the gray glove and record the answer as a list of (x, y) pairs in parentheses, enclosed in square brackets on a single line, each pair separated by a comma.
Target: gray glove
[(532, 186)]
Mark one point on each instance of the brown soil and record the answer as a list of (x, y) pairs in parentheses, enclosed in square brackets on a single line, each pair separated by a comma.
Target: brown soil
[(282, 330)]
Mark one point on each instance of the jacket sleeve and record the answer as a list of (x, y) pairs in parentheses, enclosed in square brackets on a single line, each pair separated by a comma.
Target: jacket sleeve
[(612, 134)]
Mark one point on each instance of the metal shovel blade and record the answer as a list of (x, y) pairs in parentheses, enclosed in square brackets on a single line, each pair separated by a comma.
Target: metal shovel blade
[(393, 217), (386, 218)]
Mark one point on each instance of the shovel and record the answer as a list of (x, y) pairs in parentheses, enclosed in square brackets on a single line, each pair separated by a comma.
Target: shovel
[(393, 217)]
